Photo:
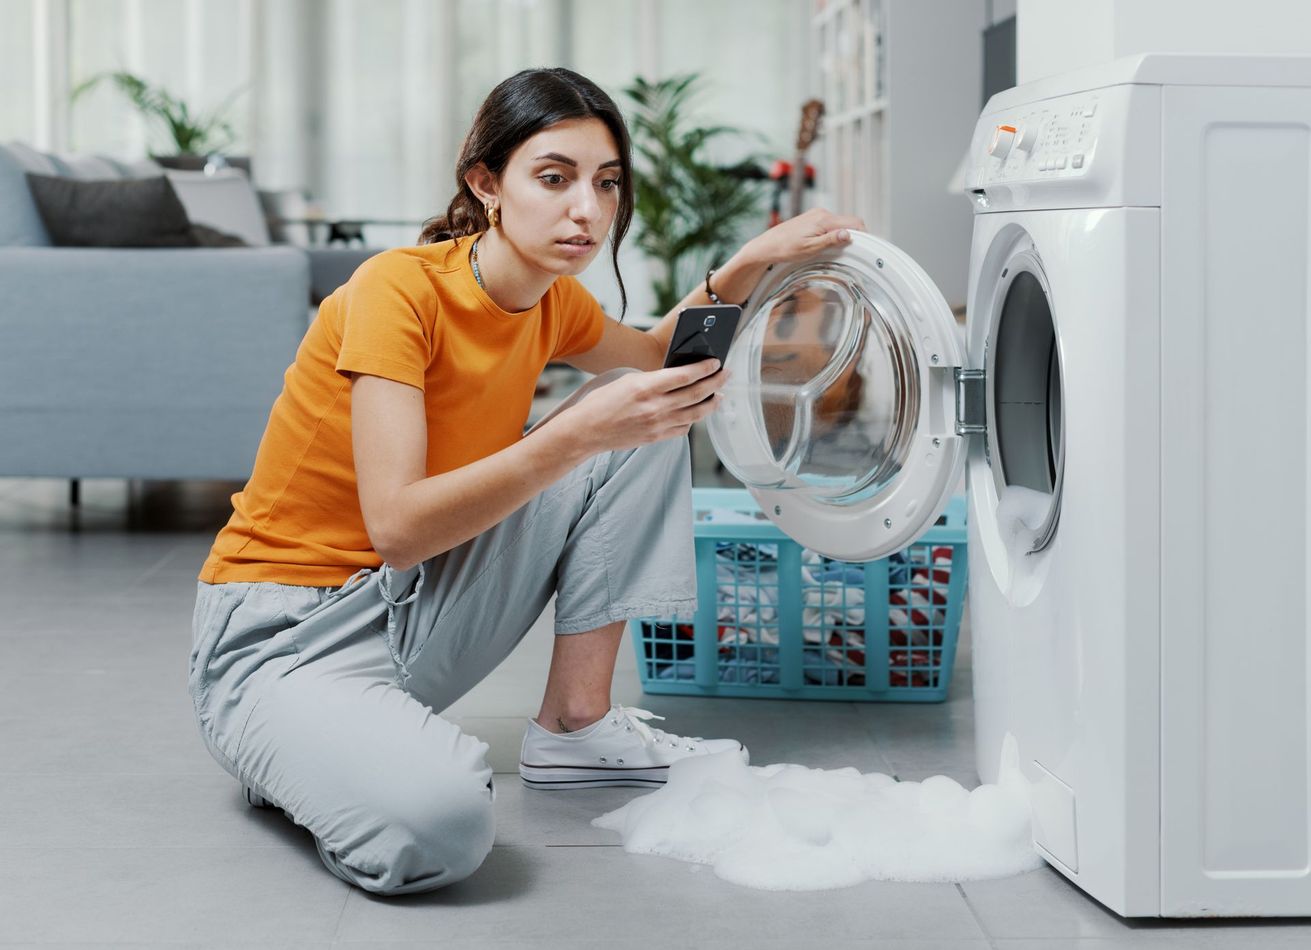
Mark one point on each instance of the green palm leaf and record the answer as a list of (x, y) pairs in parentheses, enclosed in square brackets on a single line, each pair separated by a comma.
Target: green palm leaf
[(690, 214), (190, 134)]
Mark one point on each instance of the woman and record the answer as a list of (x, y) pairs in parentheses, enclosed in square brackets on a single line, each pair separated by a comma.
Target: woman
[(399, 534)]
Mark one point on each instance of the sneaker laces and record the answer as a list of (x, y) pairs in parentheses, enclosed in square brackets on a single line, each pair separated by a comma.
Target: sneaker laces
[(652, 735)]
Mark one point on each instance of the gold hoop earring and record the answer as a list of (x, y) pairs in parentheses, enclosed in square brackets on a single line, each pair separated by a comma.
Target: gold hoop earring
[(493, 216)]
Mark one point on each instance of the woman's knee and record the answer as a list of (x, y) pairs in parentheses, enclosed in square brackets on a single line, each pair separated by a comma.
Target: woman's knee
[(676, 446), (427, 840), (663, 461)]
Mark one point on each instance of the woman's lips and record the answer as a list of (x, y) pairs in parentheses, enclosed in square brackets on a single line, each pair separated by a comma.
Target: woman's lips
[(577, 250)]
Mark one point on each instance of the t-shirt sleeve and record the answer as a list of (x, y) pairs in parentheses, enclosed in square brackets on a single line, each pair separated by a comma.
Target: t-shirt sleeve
[(384, 331), (582, 321)]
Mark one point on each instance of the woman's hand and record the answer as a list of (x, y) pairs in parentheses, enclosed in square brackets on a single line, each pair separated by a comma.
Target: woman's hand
[(802, 237), (639, 408), (797, 239)]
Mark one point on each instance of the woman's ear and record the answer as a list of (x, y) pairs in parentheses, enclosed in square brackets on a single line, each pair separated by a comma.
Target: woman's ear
[(483, 183)]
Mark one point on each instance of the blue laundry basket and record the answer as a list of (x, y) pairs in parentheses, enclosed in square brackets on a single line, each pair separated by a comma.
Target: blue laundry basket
[(775, 620)]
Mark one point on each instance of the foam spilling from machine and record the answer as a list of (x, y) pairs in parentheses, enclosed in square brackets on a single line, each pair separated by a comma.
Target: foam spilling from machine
[(789, 827)]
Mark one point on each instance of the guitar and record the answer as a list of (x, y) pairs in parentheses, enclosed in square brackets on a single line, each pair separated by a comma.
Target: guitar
[(811, 115)]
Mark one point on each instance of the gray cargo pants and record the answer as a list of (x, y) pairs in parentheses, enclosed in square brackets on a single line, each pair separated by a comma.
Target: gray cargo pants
[(326, 700)]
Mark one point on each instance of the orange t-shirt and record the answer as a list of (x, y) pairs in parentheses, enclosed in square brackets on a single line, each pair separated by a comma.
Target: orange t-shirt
[(415, 315)]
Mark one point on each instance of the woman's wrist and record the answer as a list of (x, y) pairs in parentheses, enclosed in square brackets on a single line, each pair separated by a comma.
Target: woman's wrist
[(569, 439), (737, 278)]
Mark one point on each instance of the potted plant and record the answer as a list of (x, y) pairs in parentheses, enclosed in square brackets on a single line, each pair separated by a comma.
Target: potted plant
[(196, 137), (690, 212)]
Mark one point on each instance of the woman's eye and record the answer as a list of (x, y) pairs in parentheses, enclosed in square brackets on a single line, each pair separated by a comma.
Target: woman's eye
[(610, 184), (551, 179)]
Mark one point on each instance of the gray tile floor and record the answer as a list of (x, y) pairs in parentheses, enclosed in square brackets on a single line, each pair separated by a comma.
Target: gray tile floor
[(117, 828)]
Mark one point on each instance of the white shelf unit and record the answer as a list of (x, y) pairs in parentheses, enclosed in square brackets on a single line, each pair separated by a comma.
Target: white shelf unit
[(901, 82)]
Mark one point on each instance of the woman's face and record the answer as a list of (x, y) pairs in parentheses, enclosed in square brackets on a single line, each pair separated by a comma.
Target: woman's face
[(559, 186)]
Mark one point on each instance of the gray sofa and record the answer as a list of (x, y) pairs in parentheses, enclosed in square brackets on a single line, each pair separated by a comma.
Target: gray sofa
[(159, 364)]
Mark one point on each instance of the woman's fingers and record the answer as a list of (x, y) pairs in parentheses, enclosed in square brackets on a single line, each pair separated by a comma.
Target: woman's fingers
[(678, 377), (811, 233), (837, 228), (695, 412), (848, 221), (699, 391), (821, 240), (828, 220)]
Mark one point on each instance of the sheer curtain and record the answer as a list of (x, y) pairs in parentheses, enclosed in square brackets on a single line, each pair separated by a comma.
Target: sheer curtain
[(19, 66), (364, 103)]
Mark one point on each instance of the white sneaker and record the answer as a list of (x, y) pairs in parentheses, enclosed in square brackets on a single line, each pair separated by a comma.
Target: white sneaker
[(618, 749)]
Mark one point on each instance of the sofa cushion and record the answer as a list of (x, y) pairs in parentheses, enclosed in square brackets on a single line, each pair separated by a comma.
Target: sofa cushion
[(142, 212), (31, 159), (205, 236), (86, 167), (224, 199), (20, 222)]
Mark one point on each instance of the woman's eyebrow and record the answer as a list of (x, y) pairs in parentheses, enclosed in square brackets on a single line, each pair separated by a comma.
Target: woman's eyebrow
[(565, 160)]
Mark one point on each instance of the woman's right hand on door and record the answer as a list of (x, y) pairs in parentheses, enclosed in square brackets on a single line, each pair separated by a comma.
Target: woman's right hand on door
[(640, 408)]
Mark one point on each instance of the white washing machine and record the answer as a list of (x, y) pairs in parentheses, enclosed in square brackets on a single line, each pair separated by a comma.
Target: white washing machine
[(1134, 371)]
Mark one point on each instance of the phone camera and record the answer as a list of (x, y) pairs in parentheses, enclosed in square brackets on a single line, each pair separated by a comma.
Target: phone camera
[(710, 320)]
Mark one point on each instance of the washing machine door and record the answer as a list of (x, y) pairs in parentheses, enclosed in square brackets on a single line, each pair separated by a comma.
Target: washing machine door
[(841, 413)]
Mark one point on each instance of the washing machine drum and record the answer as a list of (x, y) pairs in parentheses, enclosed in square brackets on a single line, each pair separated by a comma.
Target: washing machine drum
[(840, 413)]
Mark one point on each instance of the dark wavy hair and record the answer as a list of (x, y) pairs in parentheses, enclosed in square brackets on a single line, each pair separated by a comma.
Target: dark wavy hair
[(517, 109)]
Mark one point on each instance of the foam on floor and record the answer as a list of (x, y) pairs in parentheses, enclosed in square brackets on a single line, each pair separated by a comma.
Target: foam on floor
[(788, 827)]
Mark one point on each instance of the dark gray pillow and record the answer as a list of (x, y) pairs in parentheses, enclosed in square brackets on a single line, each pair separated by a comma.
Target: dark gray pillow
[(129, 212), (205, 236)]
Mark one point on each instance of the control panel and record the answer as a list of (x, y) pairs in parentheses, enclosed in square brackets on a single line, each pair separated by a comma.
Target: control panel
[(1095, 148), (1056, 138)]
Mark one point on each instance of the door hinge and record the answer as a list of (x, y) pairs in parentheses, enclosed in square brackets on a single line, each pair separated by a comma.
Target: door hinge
[(971, 406)]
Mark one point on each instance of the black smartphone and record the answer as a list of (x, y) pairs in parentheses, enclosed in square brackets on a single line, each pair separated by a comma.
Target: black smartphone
[(702, 333)]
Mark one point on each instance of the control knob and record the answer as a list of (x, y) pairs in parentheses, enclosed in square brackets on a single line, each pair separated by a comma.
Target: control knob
[(1002, 140)]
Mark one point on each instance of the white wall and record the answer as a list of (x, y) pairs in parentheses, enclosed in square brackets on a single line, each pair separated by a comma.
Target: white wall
[(935, 58), (1054, 36), (1000, 10)]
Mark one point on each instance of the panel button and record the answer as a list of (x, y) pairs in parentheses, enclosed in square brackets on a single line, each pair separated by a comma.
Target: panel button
[(1060, 162), (1089, 112), (1077, 161)]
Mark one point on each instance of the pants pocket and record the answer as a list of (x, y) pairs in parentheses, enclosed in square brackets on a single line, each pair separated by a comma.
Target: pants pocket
[(240, 641), (214, 606), (400, 591)]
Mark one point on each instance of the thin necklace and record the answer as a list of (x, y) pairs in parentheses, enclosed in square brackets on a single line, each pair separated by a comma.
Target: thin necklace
[(473, 259)]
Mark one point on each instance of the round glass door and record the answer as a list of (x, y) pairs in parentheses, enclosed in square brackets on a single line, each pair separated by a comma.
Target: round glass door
[(840, 414), (837, 389)]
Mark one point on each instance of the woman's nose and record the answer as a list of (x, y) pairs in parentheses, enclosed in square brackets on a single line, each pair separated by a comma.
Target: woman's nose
[(585, 206)]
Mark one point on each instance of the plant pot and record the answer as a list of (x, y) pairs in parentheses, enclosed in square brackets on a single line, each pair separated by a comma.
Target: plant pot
[(196, 163)]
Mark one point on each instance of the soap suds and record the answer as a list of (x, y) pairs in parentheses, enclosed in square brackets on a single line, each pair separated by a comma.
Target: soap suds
[(1020, 516), (788, 827)]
